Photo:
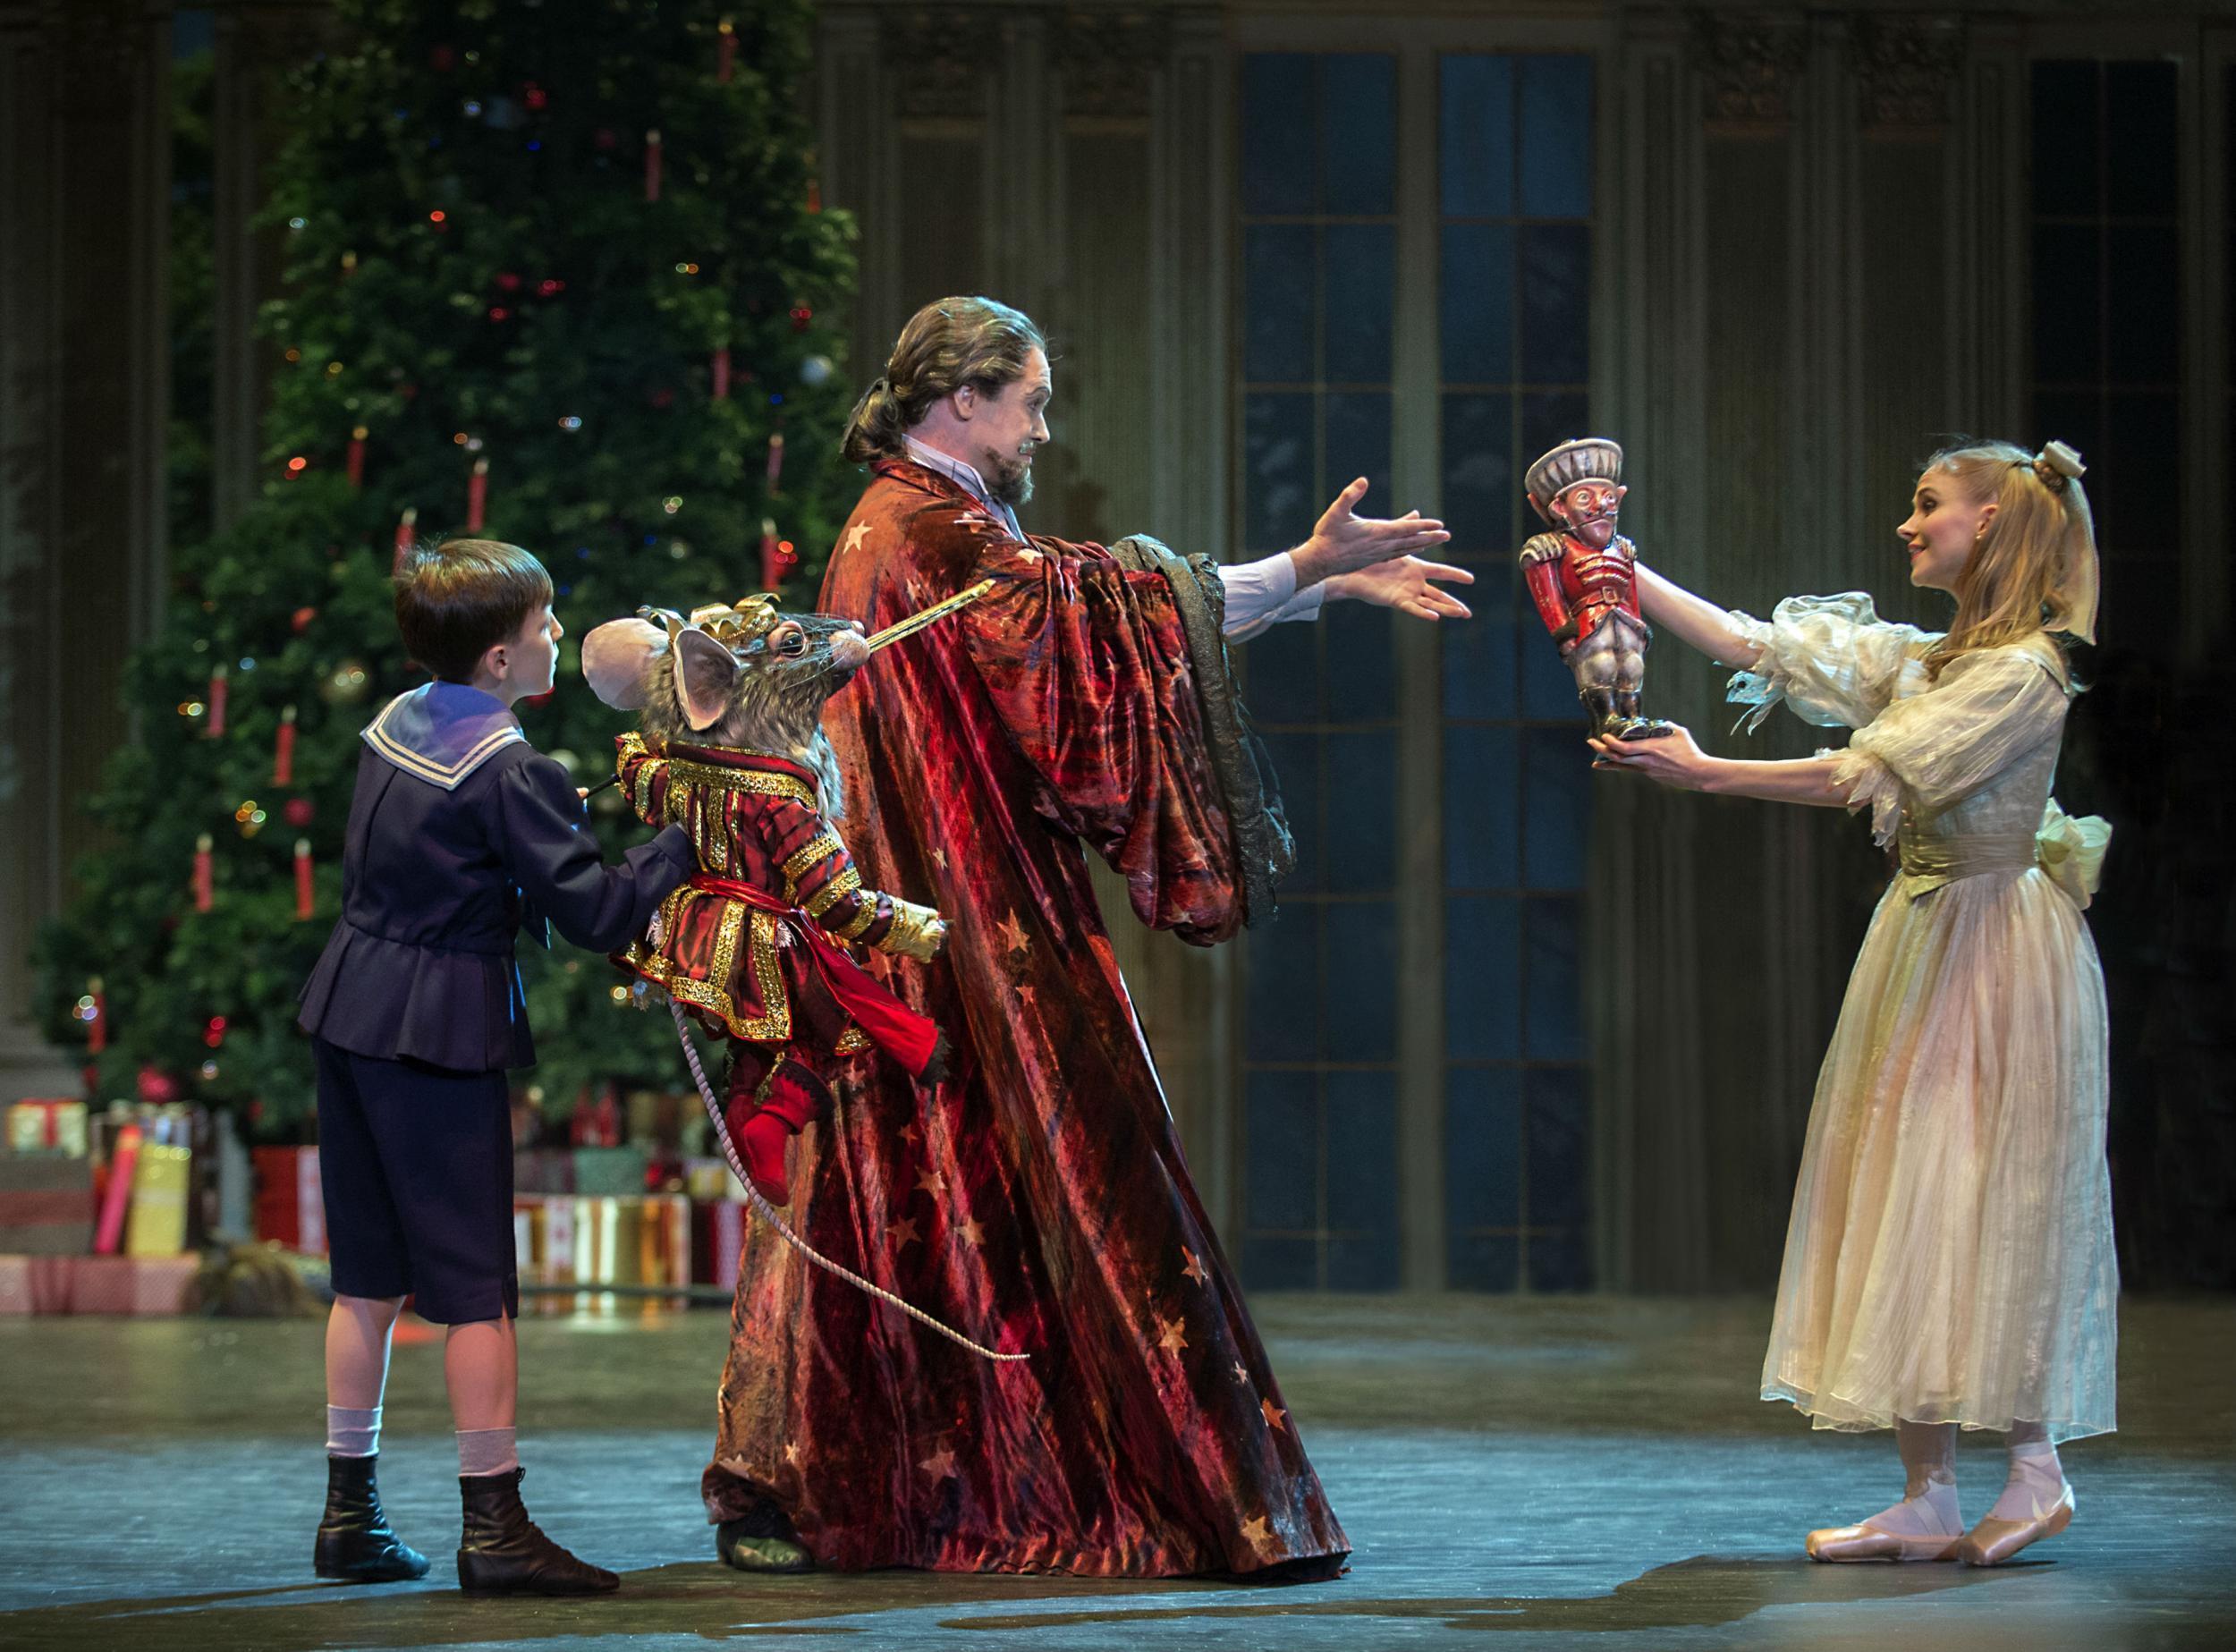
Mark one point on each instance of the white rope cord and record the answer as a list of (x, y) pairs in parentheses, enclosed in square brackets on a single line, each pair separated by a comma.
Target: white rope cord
[(768, 1211)]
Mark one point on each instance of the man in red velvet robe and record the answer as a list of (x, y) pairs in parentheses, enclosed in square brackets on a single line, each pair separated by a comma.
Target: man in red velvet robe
[(1039, 1202)]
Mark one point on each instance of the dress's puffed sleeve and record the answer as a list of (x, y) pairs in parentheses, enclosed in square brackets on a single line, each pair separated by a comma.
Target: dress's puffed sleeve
[(1930, 749), (1831, 659), (1088, 665)]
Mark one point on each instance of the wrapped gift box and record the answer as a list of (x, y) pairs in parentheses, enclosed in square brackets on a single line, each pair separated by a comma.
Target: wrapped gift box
[(290, 1208), (162, 1184), (717, 1242), (543, 1170), (46, 1206), (48, 1127), (127, 1284)]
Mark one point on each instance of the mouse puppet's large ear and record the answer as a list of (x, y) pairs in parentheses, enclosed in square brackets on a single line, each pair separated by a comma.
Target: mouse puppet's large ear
[(618, 658), (705, 675)]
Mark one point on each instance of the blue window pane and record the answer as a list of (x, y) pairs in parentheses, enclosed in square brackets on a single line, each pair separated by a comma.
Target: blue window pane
[(1358, 134), (1296, 756), (1362, 812), (1284, 987), (2142, 307), (1361, 1152), (1478, 501), (1358, 445), (1548, 689), (1281, 1120), (1548, 419), (1475, 135), (1283, 663), (1359, 1011), (1362, 665), (1277, 1264), (1556, 819), (1482, 978), (2066, 296), (1478, 658), (1360, 264), (1556, 303), (1480, 812), (1555, 1011), (1482, 1262), (1559, 1261), (1556, 137), (1277, 303), (1560, 1147), (1482, 1147), (2142, 166), (1367, 1261), (2066, 160), (1475, 303), (1277, 133), (1277, 509)]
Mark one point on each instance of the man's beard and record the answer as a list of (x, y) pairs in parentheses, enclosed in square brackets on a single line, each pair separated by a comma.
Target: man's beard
[(1010, 479)]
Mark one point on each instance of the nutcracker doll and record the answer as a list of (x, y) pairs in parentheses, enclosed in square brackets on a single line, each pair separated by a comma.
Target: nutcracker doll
[(1581, 577)]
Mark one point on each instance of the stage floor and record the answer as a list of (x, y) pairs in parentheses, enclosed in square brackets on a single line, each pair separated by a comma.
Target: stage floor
[(1556, 1472)]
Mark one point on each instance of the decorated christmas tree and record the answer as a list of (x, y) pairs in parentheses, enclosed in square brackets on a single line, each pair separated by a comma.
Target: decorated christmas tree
[(556, 275)]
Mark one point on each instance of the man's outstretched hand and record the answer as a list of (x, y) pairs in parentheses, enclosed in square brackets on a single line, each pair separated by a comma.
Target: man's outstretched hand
[(1344, 542), (1407, 584)]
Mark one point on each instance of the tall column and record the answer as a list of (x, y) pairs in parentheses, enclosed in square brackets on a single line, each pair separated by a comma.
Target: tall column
[(84, 390)]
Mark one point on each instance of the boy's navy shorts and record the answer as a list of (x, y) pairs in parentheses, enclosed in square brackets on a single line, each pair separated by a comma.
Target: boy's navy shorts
[(416, 1163)]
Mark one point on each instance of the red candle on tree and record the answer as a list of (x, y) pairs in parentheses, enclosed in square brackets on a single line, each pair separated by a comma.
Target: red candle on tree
[(96, 1026), (722, 373), (356, 458), (771, 575), (216, 727), (205, 875), (305, 895), (725, 51), (283, 752), (776, 457), (476, 495), (652, 164), (406, 534)]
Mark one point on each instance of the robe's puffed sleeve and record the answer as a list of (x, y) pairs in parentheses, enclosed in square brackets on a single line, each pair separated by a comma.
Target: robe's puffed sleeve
[(542, 832), (1930, 749), (1831, 659), (1088, 668)]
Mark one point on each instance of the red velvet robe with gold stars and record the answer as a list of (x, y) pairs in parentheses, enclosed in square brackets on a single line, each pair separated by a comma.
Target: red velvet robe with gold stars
[(1039, 1202)]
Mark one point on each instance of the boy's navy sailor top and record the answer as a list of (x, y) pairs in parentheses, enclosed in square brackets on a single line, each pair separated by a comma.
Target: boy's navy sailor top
[(461, 833)]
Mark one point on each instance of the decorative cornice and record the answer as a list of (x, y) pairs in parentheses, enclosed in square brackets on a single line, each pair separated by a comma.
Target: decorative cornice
[(1749, 65), (939, 58), (1107, 59), (1905, 66)]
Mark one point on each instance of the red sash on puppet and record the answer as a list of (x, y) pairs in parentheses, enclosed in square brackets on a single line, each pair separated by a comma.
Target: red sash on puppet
[(895, 1029)]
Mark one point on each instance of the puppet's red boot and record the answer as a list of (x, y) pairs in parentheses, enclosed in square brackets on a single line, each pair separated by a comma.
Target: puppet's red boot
[(764, 1120)]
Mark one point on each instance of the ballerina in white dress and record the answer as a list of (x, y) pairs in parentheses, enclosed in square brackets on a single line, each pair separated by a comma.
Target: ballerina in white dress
[(1949, 1263)]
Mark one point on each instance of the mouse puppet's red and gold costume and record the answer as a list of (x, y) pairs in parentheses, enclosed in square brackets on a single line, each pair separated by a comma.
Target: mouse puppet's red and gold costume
[(755, 945)]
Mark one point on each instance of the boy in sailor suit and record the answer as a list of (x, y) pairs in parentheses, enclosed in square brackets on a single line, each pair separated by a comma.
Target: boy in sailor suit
[(460, 835)]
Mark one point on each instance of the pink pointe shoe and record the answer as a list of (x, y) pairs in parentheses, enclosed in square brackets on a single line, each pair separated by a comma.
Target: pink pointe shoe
[(1867, 1542), (1993, 1541)]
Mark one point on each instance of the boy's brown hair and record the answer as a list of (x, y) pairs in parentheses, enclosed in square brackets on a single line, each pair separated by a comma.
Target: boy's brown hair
[(457, 600)]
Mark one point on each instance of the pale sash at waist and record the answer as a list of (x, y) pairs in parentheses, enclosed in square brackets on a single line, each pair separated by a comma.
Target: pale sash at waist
[(2069, 852)]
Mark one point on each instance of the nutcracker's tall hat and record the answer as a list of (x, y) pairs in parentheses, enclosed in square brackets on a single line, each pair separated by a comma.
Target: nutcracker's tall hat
[(1588, 459)]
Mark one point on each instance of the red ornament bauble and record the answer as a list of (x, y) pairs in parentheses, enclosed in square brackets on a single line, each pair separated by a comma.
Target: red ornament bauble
[(497, 312), (534, 96), (604, 138), (156, 1087), (300, 811), (302, 619), (510, 281), (407, 391), (442, 57), (662, 397)]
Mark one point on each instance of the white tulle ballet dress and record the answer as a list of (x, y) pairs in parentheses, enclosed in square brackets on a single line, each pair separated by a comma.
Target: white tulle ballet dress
[(1950, 1255)]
